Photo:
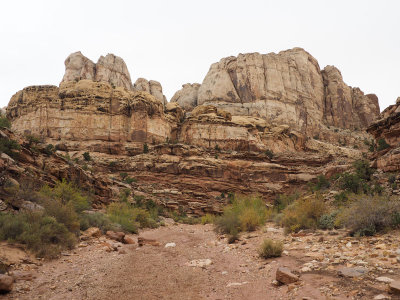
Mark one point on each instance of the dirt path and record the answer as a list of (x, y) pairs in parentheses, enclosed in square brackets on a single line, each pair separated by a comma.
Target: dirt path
[(156, 272)]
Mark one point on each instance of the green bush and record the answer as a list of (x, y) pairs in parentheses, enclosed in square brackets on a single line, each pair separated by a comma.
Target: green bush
[(283, 200), (68, 194), (363, 170), (86, 156), (4, 122), (322, 183), (382, 145), (49, 149), (270, 248), (207, 219), (351, 182), (340, 198), (98, 220), (392, 178), (327, 221), (129, 180), (42, 234), (245, 214), (145, 148), (8, 147), (304, 213), (123, 175), (269, 153), (367, 215), (124, 215)]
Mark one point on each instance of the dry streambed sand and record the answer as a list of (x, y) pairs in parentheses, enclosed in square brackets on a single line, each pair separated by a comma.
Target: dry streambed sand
[(201, 265)]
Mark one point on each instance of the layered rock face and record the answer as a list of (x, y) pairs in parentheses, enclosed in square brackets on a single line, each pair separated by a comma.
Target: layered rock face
[(111, 69), (387, 129), (286, 88), (91, 114)]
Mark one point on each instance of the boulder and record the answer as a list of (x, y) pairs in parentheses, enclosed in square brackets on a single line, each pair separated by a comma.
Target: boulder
[(143, 241), (353, 272), (128, 240), (6, 283), (152, 87), (394, 287), (116, 236), (285, 276), (92, 232)]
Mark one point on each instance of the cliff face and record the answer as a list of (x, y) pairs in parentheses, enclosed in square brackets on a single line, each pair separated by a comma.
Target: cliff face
[(286, 88), (257, 124), (103, 118), (387, 129)]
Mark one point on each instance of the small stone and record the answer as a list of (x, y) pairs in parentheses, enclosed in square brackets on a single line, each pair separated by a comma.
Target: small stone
[(285, 276), (382, 297), (169, 245), (128, 240), (348, 245), (305, 269), (201, 263), (353, 272), (384, 279)]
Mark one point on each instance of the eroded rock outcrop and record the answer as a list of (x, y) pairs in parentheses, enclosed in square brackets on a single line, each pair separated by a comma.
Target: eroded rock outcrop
[(90, 114), (187, 96), (152, 87), (286, 88), (386, 132), (109, 68)]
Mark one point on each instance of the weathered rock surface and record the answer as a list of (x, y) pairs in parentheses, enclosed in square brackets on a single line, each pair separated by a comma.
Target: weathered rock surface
[(6, 283), (152, 87), (187, 96), (387, 129), (285, 276), (286, 88), (111, 69)]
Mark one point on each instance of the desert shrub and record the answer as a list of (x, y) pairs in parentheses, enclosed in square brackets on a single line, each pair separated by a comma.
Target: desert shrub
[(340, 198), (129, 180), (327, 221), (207, 219), (4, 122), (392, 178), (86, 156), (96, 219), (68, 194), (367, 215), (269, 153), (351, 182), (270, 248), (46, 237), (42, 234), (8, 147), (322, 183), (63, 213), (123, 175), (124, 195), (304, 213), (363, 170), (245, 214), (217, 148), (145, 148), (382, 145), (49, 149), (124, 215), (283, 200)]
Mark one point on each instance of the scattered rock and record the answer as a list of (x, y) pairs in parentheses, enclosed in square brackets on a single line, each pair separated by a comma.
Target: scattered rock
[(384, 279), (353, 272), (394, 287), (201, 263), (168, 245), (236, 283), (92, 232), (128, 240), (6, 283), (382, 297), (116, 236), (143, 241), (285, 276)]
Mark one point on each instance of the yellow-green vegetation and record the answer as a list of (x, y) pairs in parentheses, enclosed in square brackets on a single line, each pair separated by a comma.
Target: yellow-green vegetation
[(246, 213), (270, 248), (4, 122), (304, 213), (207, 219), (369, 214)]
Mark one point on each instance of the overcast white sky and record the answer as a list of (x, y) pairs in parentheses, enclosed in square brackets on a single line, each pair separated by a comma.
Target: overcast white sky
[(175, 42)]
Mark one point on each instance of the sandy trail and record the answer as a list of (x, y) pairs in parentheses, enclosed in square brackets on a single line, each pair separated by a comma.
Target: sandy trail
[(156, 272)]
